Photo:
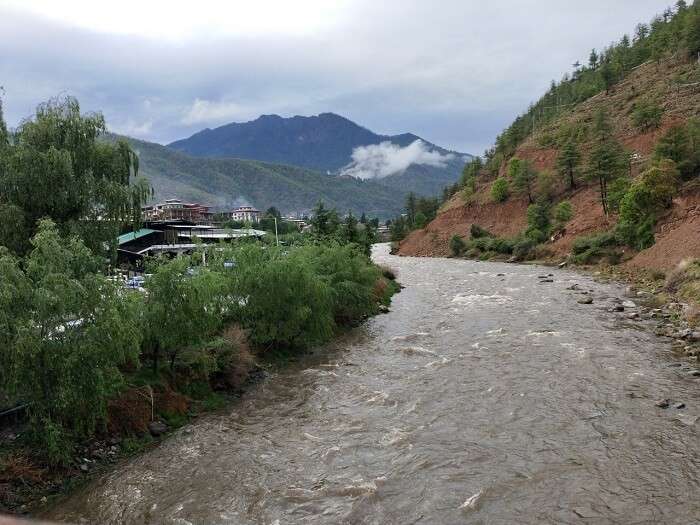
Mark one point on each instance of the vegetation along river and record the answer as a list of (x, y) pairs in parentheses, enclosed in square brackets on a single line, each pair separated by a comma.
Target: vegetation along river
[(485, 396)]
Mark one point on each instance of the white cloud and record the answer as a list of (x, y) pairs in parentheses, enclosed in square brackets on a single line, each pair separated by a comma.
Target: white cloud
[(377, 161), (206, 112), (132, 128)]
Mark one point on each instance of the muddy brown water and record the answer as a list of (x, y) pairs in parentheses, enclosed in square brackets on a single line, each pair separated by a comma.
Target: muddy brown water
[(481, 398)]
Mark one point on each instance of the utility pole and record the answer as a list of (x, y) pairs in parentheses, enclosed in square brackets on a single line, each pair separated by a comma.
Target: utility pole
[(277, 239)]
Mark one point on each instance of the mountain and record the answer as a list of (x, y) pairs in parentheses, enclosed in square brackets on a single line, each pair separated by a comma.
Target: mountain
[(224, 183), (648, 91), (325, 143)]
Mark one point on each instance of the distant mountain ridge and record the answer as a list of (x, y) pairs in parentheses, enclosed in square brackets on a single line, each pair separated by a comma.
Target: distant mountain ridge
[(324, 143), (223, 183)]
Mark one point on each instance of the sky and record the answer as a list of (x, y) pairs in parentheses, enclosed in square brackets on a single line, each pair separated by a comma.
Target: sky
[(455, 72)]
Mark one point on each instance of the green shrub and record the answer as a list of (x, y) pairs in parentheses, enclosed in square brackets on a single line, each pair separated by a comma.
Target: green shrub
[(647, 115), (500, 190), (476, 232), (523, 248), (642, 203), (457, 245), (563, 212), (592, 247), (538, 223)]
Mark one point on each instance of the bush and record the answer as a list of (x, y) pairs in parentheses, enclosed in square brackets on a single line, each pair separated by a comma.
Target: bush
[(477, 232), (589, 248), (563, 213), (538, 222), (643, 201), (523, 248), (647, 115), (457, 245), (500, 190)]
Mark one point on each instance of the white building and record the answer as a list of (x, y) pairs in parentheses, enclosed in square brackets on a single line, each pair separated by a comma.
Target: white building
[(245, 214)]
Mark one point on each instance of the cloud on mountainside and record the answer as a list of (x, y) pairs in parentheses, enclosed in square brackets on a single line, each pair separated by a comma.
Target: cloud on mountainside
[(377, 161)]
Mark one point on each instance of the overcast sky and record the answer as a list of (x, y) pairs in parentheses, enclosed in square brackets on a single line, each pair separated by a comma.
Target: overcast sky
[(452, 71)]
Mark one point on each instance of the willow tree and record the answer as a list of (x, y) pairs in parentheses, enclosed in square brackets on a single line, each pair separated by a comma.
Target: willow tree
[(56, 166)]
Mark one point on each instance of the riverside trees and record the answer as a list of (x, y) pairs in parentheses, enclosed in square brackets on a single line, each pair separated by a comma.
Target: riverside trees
[(71, 339)]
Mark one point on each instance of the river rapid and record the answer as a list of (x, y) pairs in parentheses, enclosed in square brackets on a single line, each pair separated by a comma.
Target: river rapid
[(484, 396)]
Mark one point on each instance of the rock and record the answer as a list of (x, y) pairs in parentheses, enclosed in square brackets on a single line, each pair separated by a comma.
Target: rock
[(500, 275), (679, 406), (573, 287), (542, 276), (157, 428), (563, 264), (84, 467), (542, 281), (694, 373), (383, 309), (629, 292), (663, 403), (633, 315), (629, 304), (617, 308), (675, 365), (585, 300)]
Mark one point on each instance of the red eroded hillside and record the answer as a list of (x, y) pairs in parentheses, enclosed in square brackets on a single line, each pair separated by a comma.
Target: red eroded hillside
[(677, 232)]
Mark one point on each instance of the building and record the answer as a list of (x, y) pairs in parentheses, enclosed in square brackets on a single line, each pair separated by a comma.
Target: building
[(172, 238), (175, 209), (245, 214)]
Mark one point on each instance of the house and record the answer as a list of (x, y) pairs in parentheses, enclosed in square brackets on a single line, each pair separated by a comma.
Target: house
[(245, 214), (175, 209)]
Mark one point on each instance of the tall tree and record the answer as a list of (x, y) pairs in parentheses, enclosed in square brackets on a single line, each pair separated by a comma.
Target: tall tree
[(568, 162), (56, 168), (523, 176), (607, 160), (411, 207)]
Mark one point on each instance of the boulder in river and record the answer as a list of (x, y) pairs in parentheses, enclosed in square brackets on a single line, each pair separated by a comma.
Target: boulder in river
[(663, 403), (585, 300)]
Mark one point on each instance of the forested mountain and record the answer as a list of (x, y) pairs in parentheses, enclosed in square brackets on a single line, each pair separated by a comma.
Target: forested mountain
[(325, 143), (605, 167), (227, 182)]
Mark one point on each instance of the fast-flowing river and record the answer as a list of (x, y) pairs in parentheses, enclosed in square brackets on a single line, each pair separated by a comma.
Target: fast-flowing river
[(485, 396)]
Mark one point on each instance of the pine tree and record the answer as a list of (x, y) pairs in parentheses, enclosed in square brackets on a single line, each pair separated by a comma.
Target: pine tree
[(568, 161), (523, 176), (593, 59), (607, 161)]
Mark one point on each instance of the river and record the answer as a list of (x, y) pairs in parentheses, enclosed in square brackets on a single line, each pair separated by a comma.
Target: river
[(484, 396)]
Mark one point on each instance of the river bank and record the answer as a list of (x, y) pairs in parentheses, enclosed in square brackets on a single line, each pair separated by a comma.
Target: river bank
[(153, 404), (490, 392)]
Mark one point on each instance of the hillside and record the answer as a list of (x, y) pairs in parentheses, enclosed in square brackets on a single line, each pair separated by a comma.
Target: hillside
[(324, 143), (224, 183), (674, 84)]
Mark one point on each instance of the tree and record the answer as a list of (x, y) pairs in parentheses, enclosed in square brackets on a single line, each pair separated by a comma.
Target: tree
[(692, 30), (607, 160), (523, 176), (499, 190), (593, 59), (273, 212), (55, 167), (568, 161), (350, 233), (66, 333), (324, 221), (180, 310), (681, 144), (420, 220), (411, 208), (647, 115)]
